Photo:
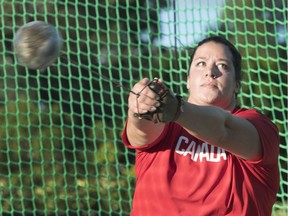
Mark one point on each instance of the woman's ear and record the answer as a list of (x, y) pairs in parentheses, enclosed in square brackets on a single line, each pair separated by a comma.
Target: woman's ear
[(237, 87)]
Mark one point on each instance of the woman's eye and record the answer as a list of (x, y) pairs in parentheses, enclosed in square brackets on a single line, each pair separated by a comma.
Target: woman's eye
[(223, 66), (201, 63)]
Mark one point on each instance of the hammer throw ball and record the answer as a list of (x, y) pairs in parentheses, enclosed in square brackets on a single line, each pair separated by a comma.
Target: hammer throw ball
[(37, 45)]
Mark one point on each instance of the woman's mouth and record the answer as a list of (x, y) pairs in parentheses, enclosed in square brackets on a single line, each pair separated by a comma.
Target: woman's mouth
[(209, 85)]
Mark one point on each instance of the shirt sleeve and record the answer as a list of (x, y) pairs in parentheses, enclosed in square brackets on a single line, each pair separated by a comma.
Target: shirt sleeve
[(268, 134)]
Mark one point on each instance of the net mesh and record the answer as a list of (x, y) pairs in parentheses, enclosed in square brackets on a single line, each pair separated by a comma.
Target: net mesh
[(61, 150)]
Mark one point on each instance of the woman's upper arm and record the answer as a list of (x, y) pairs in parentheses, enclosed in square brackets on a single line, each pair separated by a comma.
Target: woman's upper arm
[(235, 133), (241, 138)]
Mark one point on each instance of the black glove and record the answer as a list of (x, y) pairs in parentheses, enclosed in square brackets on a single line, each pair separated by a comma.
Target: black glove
[(170, 104)]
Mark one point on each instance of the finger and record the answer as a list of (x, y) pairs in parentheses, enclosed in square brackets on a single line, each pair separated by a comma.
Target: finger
[(140, 85), (142, 104), (145, 81), (141, 111), (141, 89), (146, 97), (141, 107)]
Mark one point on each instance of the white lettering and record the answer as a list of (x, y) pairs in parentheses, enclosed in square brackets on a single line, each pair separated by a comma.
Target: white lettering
[(222, 154), (191, 149), (185, 140), (204, 152), (212, 155), (201, 151)]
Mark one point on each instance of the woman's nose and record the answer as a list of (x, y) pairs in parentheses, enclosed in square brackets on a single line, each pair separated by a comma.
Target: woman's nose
[(211, 72)]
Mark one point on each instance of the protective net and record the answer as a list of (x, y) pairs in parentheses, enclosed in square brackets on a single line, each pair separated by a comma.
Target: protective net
[(60, 133)]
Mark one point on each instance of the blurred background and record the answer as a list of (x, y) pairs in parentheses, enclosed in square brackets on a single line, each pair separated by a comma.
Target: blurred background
[(60, 134)]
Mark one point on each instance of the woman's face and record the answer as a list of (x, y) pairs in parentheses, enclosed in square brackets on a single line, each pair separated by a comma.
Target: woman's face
[(211, 79)]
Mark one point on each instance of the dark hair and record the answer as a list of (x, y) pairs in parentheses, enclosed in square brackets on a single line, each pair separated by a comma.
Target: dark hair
[(237, 59)]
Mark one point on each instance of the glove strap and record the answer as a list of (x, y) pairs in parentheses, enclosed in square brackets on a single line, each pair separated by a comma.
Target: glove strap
[(151, 117), (180, 108)]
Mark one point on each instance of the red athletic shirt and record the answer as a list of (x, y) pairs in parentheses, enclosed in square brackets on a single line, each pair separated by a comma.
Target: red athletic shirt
[(181, 175)]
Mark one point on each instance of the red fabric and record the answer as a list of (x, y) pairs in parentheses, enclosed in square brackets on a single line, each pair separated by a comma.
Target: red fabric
[(181, 175)]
